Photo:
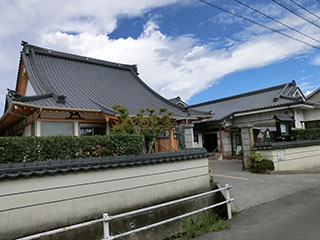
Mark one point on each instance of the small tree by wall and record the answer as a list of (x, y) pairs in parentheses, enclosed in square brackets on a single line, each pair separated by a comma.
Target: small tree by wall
[(147, 123)]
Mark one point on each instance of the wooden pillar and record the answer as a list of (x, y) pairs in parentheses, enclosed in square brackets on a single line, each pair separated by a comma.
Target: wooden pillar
[(173, 141)]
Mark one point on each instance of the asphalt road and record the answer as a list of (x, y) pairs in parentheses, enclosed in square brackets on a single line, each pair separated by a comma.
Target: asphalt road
[(294, 217)]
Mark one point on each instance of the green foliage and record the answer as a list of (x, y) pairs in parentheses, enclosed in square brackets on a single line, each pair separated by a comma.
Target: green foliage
[(29, 149), (146, 123), (264, 166), (204, 223), (306, 134), (255, 156), (125, 124), (258, 164)]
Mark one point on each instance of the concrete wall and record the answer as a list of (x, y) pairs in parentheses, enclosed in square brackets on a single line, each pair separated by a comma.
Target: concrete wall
[(226, 142), (294, 159), (35, 204)]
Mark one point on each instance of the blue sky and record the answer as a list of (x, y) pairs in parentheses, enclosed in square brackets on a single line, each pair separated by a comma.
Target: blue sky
[(182, 47)]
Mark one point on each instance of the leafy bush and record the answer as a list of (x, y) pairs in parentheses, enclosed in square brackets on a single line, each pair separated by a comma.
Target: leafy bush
[(146, 123), (263, 166), (255, 156), (29, 149), (258, 164), (307, 134)]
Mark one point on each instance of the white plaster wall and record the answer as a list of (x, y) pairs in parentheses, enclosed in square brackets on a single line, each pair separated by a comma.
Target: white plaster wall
[(311, 114), (76, 128), (198, 144), (29, 90), (30, 205), (38, 128), (299, 118), (300, 158), (226, 142)]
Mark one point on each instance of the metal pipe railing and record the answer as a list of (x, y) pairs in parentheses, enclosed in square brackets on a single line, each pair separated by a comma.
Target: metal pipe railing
[(106, 218), (59, 230), (121, 215)]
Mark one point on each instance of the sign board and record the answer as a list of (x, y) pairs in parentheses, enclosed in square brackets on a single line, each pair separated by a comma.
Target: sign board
[(281, 156)]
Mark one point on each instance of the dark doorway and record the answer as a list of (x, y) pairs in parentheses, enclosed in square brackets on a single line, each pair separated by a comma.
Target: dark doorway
[(210, 141)]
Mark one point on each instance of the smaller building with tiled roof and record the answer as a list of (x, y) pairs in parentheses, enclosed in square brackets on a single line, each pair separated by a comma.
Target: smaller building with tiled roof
[(237, 120)]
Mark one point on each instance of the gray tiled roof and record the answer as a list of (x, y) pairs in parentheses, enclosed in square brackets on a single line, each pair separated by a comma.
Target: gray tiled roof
[(313, 93), (89, 83), (30, 169), (262, 99), (282, 145)]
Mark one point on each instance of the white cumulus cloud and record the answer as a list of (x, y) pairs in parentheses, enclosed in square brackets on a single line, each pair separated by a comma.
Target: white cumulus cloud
[(176, 65), (180, 65)]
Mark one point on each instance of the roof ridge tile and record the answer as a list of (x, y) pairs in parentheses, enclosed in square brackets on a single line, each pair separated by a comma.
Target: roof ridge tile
[(239, 95)]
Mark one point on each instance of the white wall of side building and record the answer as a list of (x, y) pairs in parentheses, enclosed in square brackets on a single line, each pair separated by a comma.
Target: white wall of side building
[(299, 118)]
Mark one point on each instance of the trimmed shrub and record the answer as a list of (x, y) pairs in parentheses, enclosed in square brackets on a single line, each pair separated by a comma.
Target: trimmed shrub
[(29, 149), (263, 166), (307, 134)]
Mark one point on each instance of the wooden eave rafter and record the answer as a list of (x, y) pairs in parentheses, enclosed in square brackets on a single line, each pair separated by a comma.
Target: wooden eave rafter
[(22, 79), (13, 114)]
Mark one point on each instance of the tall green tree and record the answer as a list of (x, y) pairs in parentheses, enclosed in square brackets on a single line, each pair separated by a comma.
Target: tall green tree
[(147, 123)]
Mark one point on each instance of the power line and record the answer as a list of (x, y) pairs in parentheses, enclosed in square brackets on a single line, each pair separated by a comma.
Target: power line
[(283, 24), (313, 14), (295, 12), (259, 24)]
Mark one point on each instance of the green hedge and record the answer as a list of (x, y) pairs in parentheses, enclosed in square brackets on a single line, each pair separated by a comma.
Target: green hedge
[(28, 149), (307, 134)]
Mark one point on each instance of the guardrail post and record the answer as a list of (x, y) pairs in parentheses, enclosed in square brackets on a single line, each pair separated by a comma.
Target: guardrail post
[(106, 230), (229, 201)]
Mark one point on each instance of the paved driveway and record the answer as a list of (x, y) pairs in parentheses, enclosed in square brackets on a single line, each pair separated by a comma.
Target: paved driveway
[(250, 189), (294, 217)]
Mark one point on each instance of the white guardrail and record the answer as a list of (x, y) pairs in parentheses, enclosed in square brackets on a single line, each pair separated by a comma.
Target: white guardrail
[(106, 218)]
